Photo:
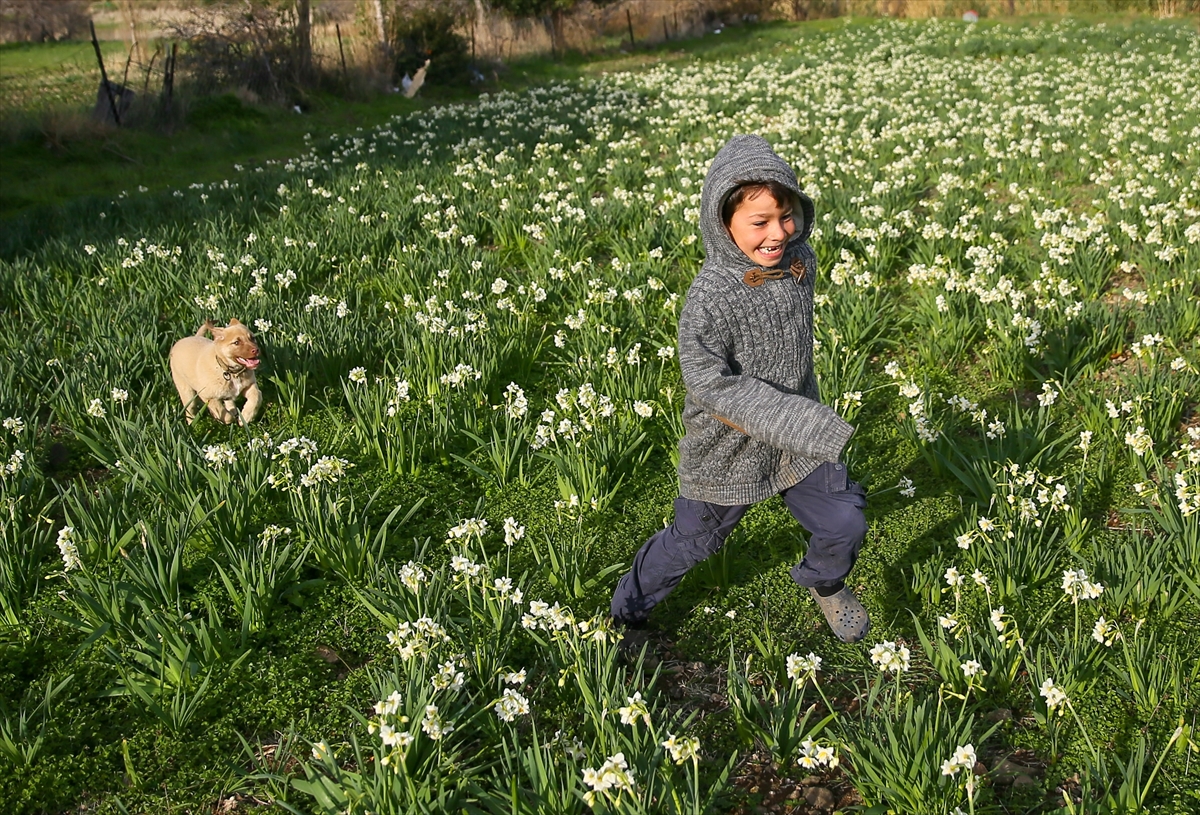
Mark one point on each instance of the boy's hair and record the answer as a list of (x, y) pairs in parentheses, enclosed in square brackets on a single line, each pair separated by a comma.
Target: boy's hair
[(752, 189)]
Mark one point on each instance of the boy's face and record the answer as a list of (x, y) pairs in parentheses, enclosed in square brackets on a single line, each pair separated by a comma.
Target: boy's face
[(761, 227)]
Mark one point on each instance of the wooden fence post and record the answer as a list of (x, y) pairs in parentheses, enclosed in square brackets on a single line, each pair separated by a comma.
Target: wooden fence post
[(341, 50), (168, 89), (629, 20), (112, 103)]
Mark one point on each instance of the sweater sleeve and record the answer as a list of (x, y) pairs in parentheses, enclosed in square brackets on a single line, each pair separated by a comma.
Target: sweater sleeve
[(787, 421)]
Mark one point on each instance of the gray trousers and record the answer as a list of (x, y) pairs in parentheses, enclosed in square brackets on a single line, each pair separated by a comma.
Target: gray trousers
[(826, 503)]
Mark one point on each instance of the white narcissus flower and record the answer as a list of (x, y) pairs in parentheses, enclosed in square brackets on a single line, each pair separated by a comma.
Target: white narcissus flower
[(1048, 395), (68, 549), (891, 657), (326, 470), (681, 750), (801, 669), (220, 455), (1085, 440), (963, 759), (389, 706), (972, 668), (511, 705), (1105, 633), (513, 531), (412, 576), (1140, 442), (1053, 695), (635, 708), (613, 775), (1076, 586)]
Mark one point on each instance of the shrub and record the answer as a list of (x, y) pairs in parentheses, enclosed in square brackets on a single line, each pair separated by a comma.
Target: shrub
[(429, 33), (252, 46)]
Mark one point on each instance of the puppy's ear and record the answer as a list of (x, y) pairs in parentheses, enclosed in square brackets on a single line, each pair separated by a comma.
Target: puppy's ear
[(204, 328), (234, 321)]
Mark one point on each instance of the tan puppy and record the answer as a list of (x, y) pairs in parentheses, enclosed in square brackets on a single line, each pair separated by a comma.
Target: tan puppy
[(217, 371)]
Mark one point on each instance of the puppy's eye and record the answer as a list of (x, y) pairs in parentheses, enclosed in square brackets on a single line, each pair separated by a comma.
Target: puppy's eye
[(237, 342)]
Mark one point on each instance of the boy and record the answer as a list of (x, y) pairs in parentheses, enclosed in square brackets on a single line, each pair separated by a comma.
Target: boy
[(754, 425)]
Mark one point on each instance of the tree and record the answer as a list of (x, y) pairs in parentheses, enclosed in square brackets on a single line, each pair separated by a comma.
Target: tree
[(304, 38), (42, 20), (556, 9)]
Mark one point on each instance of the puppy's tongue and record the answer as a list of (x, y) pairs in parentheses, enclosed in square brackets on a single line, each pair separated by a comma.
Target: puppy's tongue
[(249, 363)]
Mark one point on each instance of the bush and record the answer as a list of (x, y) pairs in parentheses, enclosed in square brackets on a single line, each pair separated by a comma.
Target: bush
[(252, 47), (226, 110), (429, 33), (43, 20)]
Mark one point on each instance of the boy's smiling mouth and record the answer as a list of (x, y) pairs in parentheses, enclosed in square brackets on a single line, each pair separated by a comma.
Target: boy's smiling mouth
[(770, 252)]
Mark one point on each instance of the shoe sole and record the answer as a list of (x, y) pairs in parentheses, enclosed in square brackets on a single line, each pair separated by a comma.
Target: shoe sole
[(845, 614)]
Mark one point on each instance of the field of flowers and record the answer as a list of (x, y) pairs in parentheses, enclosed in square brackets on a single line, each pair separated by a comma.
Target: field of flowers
[(389, 593), (34, 76)]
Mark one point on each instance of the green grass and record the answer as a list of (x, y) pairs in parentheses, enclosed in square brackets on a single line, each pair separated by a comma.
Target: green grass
[(24, 59), (109, 313), (53, 76), (52, 154)]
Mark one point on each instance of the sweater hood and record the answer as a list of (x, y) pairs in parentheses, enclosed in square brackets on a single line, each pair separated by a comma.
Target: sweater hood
[(746, 159)]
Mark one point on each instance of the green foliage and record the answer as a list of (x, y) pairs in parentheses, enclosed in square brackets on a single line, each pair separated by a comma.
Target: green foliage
[(430, 33), (468, 321)]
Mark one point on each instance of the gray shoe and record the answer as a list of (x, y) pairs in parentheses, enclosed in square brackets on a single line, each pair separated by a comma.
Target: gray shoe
[(845, 615)]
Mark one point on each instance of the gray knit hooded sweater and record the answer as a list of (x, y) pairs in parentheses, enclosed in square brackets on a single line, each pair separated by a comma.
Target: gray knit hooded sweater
[(754, 423)]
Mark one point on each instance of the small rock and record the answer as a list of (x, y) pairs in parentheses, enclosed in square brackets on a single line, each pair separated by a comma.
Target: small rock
[(811, 781), (1001, 715), (820, 798), (1023, 780), (1005, 771), (328, 654), (795, 793)]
